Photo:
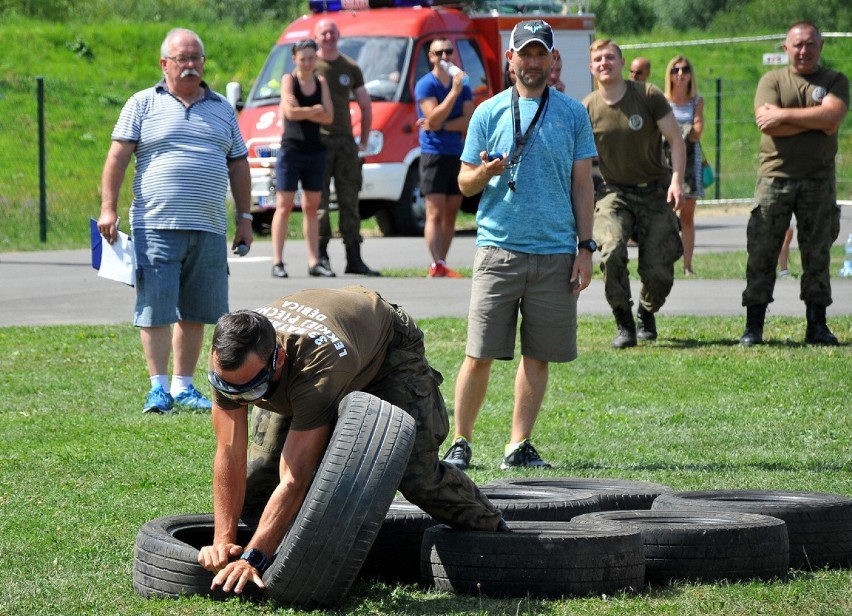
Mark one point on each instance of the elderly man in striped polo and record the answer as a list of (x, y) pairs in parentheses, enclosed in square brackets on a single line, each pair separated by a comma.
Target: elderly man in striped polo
[(188, 147)]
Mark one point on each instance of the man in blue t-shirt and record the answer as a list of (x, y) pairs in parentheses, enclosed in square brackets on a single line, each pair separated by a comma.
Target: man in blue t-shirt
[(534, 246), (444, 107)]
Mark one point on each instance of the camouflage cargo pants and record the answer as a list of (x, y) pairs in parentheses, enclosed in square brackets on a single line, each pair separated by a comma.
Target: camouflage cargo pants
[(343, 163), (406, 380), (622, 212), (814, 202)]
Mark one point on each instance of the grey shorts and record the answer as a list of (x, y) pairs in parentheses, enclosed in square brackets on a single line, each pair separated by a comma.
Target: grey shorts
[(538, 287), (180, 276)]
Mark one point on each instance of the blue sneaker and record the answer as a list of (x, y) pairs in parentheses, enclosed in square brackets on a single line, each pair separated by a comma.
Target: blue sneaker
[(158, 401), (191, 398)]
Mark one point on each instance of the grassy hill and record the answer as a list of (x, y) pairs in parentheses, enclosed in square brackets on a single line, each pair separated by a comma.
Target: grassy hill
[(89, 70)]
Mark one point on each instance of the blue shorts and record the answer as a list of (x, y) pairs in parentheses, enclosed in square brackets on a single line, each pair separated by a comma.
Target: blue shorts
[(180, 276), (293, 166)]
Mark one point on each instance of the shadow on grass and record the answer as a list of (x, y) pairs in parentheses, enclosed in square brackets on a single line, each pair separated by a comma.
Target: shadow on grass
[(711, 467), (694, 343)]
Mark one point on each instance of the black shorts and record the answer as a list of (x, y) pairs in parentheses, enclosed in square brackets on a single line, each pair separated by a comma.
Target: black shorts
[(439, 173), (293, 166)]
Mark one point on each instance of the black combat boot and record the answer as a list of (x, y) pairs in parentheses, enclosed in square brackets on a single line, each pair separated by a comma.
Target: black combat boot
[(354, 264), (323, 255), (626, 329), (817, 331), (647, 324), (753, 334)]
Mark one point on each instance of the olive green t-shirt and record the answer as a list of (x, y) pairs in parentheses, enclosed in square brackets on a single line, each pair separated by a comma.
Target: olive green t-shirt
[(629, 142), (809, 154), (335, 342), (343, 77)]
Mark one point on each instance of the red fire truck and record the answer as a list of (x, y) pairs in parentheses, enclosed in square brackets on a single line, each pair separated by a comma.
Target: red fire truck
[(390, 46)]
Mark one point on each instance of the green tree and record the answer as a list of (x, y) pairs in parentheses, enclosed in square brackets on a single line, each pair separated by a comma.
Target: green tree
[(688, 14), (616, 17), (240, 13), (773, 16)]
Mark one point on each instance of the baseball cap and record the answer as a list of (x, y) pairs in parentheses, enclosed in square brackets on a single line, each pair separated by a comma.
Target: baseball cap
[(533, 31)]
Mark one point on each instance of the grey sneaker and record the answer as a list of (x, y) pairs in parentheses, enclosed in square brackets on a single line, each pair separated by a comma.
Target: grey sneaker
[(459, 454), (524, 455), (278, 271)]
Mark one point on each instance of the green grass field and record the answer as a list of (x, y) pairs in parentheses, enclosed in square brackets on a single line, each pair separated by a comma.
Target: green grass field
[(81, 468)]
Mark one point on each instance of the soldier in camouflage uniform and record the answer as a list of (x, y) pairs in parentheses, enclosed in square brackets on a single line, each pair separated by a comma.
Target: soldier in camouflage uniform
[(342, 161), (629, 120), (799, 110), (295, 360)]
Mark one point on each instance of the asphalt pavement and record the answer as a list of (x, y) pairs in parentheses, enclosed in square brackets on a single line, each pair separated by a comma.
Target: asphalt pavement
[(60, 287)]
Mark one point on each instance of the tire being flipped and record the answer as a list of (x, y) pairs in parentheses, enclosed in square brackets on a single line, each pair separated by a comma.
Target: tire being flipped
[(614, 494), (538, 559), (819, 525), (328, 541), (395, 555), (705, 546), (331, 535)]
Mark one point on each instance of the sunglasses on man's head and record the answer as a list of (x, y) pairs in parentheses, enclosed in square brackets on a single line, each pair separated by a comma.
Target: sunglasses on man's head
[(255, 389), (305, 44)]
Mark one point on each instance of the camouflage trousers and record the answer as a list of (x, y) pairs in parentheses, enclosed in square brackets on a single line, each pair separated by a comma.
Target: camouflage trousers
[(814, 202), (406, 380), (344, 165), (641, 213)]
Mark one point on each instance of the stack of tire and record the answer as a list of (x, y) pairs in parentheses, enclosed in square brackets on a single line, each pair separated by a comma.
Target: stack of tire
[(570, 536), (554, 557)]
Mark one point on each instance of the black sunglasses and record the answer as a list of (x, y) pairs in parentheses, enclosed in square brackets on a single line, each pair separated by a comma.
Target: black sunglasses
[(443, 52), (255, 389), (686, 70), (305, 44)]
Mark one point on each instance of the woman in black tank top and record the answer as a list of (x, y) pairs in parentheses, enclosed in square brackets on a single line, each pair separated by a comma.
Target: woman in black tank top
[(305, 105)]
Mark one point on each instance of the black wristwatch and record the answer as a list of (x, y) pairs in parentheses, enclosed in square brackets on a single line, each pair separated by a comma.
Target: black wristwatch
[(255, 558), (590, 245)]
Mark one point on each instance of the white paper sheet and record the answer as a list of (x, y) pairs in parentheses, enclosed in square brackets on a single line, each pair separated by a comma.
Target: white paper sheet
[(118, 260)]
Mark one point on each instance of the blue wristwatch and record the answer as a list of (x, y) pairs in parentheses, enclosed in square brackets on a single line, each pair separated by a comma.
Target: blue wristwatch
[(255, 558)]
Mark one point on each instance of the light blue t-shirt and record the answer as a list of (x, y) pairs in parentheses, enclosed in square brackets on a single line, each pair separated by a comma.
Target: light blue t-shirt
[(538, 216)]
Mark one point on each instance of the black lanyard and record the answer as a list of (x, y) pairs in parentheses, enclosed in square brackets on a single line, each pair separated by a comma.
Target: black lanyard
[(521, 140)]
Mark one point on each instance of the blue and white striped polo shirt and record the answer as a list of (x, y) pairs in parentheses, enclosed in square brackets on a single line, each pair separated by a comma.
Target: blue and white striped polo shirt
[(181, 159)]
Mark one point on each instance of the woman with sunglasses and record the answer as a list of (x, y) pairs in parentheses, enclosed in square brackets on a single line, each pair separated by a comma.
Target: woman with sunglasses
[(688, 107), (305, 105)]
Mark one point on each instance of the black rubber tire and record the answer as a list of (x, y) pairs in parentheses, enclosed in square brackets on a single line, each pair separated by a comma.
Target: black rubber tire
[(704, 546), (615, 494), (395, 555), (165, 559), (540, 504), (819, 524), (537, 559), (331, 535)]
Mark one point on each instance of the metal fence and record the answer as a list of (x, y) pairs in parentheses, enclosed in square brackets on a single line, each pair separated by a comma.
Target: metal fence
[(76, 143)]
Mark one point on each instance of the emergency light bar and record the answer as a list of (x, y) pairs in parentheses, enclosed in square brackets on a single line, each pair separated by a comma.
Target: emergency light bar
[(319, 6)]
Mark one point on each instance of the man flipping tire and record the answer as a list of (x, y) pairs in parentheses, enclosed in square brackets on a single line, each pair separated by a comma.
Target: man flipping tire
[(295, 360)]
